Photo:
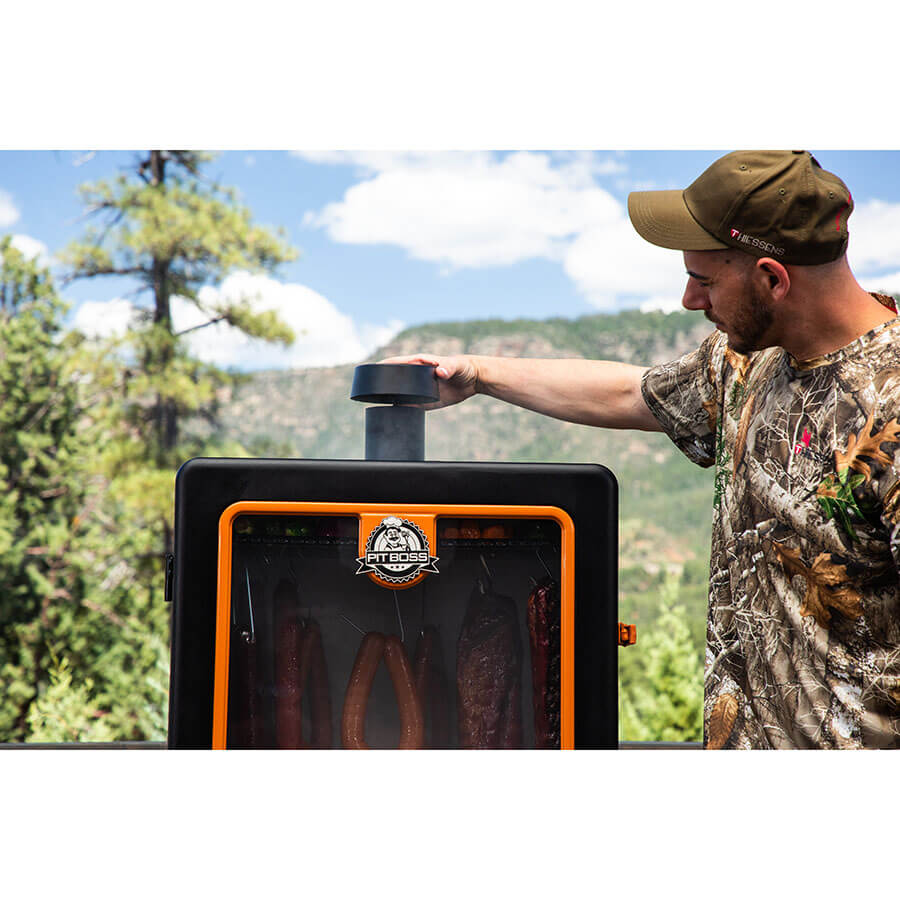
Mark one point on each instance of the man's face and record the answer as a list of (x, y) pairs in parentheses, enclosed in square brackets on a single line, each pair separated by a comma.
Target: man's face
[(722, 286)]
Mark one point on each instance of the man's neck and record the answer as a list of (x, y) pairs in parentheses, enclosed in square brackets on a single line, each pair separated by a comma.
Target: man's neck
[(832, 320)]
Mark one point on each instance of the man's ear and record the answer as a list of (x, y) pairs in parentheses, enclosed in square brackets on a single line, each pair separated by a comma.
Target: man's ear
[(773, 276)]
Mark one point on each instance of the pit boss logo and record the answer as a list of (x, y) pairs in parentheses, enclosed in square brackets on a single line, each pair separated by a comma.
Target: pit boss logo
[(397, 552)]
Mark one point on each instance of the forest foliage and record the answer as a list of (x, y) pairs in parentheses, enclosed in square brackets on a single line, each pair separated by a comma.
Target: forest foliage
[(92, 433), (90, 440)]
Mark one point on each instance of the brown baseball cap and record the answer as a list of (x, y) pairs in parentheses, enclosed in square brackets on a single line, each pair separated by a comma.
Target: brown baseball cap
[(777, 203)]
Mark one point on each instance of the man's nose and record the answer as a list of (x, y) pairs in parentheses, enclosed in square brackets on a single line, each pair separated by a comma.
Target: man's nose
[(695, 296)]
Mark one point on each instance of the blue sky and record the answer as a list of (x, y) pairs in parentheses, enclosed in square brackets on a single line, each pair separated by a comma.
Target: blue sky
[(388, 239)]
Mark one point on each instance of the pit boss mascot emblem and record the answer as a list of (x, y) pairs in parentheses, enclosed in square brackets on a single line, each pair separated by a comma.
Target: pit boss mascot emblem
[(397, 551)]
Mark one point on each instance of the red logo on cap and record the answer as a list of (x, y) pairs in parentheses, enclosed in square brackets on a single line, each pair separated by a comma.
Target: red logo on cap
[(837, 219), (735, 233)]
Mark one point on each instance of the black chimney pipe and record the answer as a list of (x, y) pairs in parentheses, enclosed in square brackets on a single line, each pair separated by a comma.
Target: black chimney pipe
[(395, 432)]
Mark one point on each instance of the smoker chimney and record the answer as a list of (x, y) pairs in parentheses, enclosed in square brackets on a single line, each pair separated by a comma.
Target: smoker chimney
[(395, 432)]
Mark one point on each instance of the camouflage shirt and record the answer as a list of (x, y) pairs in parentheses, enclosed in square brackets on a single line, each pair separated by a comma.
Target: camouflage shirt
[(803, 629)]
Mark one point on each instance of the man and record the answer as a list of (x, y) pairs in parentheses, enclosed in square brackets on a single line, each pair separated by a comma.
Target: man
[(393, 538), (794, 399)]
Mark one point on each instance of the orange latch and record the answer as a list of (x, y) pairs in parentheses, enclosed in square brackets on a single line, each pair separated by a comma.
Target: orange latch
[(627, 634)]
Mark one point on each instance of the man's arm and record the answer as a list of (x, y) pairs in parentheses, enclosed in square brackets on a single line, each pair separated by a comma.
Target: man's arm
[(589, 392)]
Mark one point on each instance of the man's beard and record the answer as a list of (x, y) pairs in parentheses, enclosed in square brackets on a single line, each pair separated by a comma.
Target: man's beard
[(752, 319)]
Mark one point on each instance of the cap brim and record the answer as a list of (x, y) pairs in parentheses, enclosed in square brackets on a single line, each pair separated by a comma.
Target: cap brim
[(662, 218)]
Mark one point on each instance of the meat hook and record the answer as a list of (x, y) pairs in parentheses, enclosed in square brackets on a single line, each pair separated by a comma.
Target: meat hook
[(352, 624), (541, 559), (251, 637), (399, 617)]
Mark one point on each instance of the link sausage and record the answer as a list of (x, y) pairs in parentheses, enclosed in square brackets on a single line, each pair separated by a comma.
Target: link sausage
[(319, 695), (431, 686), (291, 667), (353, 719), (374, 646), (412, 719), (244, 725), (544, 640)]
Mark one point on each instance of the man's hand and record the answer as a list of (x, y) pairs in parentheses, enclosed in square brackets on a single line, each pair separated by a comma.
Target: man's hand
[(457, 376)]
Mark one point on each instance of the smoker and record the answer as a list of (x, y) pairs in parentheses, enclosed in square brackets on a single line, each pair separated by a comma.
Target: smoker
[(394, 602)]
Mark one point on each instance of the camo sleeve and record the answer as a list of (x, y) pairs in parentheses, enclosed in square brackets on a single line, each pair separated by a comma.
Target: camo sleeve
[(685, 397)]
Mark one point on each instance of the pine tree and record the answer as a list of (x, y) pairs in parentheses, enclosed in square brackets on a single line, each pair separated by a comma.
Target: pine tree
[(41, 493), (105, 674), (65, 712), (169, 228), (661, 687)]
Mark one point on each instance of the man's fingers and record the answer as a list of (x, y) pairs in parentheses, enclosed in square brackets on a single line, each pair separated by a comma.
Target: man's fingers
[(410, 360), (451, 369), (441, 370)]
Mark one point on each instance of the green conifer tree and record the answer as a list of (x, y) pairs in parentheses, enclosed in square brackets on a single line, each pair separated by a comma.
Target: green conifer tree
[(661, 686), (165, 225), (172, 231), (41, 494)]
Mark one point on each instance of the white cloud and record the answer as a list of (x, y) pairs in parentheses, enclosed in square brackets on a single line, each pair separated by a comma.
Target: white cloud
[(662, 303), (103, 319), (478, 210), (374, 161), (31, 248), (612, 262), (886, 284), (324, 335), (8, 212), (469, 209), (874, 236), (609, 166), (370, 161)]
